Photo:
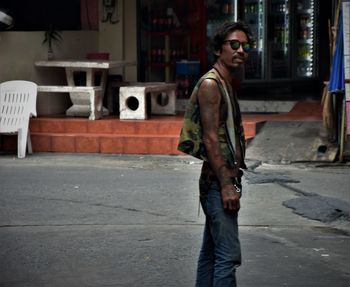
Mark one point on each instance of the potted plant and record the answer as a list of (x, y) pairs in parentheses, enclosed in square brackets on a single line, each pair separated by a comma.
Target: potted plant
[(51, 35)]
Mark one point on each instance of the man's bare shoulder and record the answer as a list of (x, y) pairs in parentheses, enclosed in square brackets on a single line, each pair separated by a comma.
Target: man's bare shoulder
[(209, 86)]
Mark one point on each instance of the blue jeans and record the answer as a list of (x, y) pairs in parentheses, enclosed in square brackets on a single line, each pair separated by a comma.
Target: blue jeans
[(220, 254)]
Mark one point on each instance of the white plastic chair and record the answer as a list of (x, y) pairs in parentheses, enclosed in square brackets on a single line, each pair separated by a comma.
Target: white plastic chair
[(17, 105)]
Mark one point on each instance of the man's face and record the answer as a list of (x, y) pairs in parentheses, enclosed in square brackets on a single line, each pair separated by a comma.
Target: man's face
[(235, 56)]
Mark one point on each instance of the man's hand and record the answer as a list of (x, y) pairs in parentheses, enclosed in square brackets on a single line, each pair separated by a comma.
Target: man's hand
[(230, 198)]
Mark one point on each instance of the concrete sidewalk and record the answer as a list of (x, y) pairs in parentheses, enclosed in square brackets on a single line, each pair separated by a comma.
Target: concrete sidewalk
[(110, 220)]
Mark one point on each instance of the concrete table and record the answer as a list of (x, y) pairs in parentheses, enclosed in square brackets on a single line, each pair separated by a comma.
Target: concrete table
[(87, 103)]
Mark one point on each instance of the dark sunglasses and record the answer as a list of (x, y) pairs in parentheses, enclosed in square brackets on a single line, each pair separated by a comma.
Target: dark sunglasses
[(235, 44)]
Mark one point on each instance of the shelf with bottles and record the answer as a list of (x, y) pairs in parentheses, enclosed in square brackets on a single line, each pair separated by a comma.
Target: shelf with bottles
[(305, 7), (304, 53), (172, 32), (253, 8), (305, 20), (168, 23), (160, 57), (220, 9), (304, 60), (281, 37), (307, 41), (280, 7), (305, 12), (218, 21), (165, 48), (305, 34), (305, 69), (162, 21), (305, 27), (223, 9)]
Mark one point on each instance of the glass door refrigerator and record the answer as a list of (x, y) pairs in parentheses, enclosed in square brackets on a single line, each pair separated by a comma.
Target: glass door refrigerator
[(278, 39), (255, 16), (284, 30), (216, 13), (305, 51)]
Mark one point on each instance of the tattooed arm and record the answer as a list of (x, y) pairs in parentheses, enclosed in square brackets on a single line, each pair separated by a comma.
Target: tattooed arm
[(209, 98)]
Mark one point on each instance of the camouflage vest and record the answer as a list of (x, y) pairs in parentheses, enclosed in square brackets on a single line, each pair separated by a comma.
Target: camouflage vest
[(191, 133)]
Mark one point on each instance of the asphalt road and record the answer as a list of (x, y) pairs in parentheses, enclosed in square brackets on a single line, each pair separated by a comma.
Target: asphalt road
[(110, 220)]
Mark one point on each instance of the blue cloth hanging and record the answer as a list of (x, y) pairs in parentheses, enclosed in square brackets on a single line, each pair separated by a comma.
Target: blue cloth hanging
[(336, 81)]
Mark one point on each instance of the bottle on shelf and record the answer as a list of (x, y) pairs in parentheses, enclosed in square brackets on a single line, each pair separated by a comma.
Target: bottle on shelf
[(230, 8), (225, 8), (162, 21), (304, 33)]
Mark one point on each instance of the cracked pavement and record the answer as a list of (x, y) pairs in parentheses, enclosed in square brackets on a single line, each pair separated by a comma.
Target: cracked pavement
[(112, 220)]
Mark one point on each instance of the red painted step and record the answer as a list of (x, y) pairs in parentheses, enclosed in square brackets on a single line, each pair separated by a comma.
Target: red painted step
[(157, 135)]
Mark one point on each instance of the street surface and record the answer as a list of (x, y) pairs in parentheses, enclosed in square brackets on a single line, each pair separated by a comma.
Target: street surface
[(109, 220)]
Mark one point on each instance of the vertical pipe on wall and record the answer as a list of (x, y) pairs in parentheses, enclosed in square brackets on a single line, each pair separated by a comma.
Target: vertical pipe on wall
[(235, 9)]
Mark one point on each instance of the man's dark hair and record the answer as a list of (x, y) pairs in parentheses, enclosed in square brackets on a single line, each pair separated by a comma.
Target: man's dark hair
[(227, 28)]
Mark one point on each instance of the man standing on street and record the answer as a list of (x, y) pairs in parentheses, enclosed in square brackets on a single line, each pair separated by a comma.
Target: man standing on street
[(213, 131)]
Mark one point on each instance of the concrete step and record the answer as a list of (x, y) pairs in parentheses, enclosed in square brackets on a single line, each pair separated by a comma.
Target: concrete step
[(104, 143), (108, 125), (110, 135), (156, 135)]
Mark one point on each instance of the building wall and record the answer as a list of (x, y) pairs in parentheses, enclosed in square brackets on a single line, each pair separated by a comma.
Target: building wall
[(130, 38), (19, 51), (110, 38), (120, 39)]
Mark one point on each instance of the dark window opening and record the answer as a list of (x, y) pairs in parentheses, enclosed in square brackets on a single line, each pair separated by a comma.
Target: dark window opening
[(39, 15)]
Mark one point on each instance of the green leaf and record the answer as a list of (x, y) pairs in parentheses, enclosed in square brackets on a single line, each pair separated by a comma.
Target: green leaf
[(51, 35)]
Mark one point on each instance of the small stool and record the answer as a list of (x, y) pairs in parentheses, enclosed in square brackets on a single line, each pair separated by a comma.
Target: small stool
[(132, 100)]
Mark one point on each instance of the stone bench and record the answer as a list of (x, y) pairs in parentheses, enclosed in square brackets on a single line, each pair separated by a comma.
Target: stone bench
[(87, 100), (132, 99)]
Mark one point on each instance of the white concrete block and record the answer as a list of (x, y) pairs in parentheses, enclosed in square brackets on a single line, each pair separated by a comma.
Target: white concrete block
[(132, 103), (132, 100), (163, 103)]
